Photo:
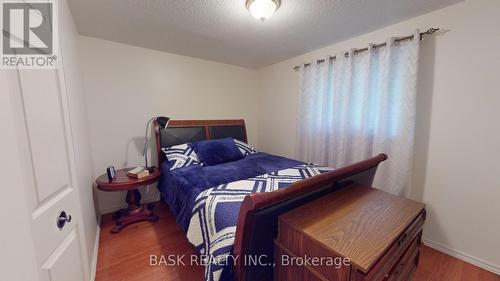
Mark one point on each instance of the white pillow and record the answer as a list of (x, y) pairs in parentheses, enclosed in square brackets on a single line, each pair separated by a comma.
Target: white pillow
[(180, 156), (244, 148)]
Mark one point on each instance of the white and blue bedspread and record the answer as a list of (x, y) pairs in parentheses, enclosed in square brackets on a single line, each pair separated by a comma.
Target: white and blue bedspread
[(213, 222)]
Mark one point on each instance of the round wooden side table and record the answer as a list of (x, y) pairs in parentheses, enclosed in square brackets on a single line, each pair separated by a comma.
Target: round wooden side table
[(135, 211)]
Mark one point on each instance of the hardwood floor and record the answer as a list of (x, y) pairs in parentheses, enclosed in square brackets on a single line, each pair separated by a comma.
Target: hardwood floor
[(126, 256), (436, 266)]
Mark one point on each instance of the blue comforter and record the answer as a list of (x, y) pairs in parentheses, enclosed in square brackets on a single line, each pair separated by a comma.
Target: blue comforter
[(180, 187), (212, 228)]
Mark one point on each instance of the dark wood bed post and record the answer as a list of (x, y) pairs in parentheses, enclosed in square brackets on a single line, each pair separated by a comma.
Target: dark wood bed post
[(159, 153), (257, 201)]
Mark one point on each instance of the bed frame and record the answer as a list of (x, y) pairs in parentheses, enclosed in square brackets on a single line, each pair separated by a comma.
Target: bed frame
[(261, 210)]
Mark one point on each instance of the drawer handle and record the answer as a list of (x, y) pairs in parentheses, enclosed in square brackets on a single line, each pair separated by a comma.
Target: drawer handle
[(401, 265), (403, 239)]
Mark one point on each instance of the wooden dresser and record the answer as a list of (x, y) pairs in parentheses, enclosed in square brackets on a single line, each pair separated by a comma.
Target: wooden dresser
[(356, 233)]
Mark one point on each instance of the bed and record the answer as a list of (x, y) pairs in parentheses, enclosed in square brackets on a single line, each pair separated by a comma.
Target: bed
[(253, 216)]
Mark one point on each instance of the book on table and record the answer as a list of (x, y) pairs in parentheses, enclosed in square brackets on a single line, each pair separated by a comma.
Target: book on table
[(138, 173)]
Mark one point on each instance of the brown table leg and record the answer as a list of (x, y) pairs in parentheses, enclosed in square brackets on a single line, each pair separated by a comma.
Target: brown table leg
[(135, 212)]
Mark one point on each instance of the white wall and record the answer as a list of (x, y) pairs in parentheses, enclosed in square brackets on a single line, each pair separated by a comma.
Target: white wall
[(458, 129), (80, 132), (126, 85)]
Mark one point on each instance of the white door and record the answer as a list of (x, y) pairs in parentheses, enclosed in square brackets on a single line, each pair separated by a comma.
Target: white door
[(47, 159)]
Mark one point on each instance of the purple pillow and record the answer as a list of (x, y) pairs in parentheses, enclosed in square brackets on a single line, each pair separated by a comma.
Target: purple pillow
[(213, 152)]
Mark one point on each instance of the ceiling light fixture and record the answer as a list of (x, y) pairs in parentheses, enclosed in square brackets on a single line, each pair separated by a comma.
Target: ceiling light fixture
[(262, 9)]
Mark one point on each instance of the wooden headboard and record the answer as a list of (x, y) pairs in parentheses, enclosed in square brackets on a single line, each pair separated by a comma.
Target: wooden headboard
[(184, 131)]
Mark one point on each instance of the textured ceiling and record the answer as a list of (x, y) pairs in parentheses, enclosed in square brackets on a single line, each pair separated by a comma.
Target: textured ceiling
[(224, 31)]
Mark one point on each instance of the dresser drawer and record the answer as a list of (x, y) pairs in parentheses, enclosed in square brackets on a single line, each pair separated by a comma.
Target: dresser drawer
[(293, 243), (407, 264), (382, 269), (375, 234), (295, 272)]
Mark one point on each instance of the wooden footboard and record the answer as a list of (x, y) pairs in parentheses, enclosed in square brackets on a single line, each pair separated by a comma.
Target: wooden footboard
[(257, 221)]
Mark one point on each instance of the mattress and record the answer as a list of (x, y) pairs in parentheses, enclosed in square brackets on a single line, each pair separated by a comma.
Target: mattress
[(179, 188)]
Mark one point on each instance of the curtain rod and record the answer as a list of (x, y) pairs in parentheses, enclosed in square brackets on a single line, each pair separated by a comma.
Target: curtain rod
[(357, 51)]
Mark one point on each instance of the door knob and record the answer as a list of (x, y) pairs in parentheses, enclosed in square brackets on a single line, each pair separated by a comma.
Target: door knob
[(62, 219)]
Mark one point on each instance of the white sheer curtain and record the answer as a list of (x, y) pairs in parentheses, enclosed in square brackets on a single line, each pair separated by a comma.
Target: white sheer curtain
[(358, 106)]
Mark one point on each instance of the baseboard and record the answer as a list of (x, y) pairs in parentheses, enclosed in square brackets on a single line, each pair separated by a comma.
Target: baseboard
[(463, 256), (93, 269)]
